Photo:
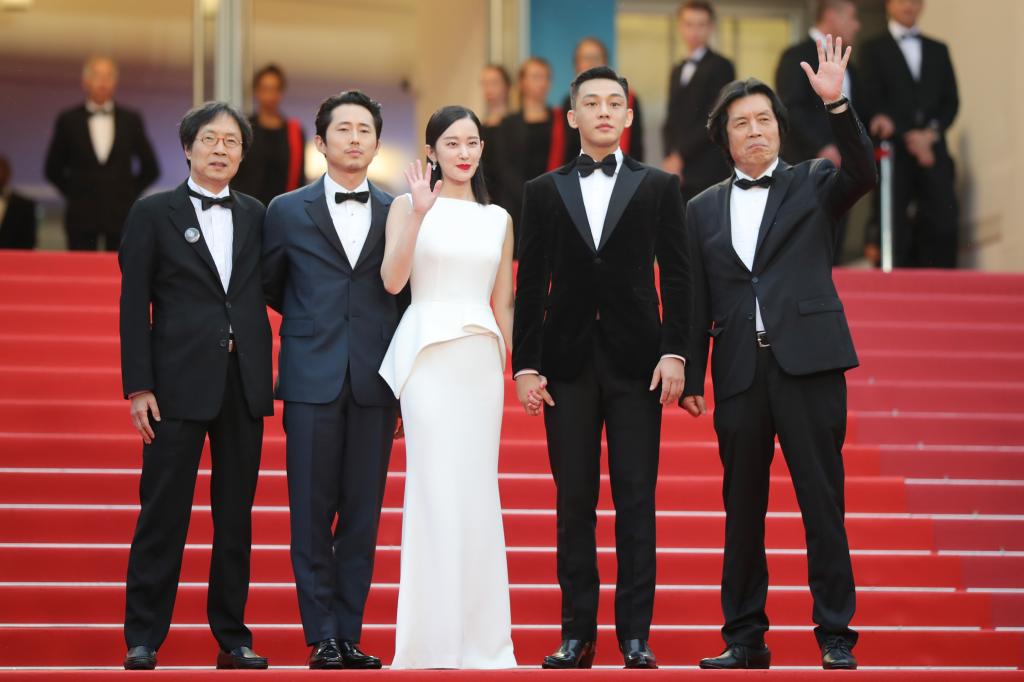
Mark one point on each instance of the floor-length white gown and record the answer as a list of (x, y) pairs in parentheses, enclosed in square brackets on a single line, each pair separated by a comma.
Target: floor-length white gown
[(446, 364)]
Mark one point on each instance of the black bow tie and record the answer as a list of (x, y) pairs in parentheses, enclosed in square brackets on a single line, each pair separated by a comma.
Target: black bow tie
[(361, 197), (225, 201), (586, 165), (763, 181)]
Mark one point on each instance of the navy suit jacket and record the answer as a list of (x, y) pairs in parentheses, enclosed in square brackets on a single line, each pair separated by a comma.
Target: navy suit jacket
[(338, 319)]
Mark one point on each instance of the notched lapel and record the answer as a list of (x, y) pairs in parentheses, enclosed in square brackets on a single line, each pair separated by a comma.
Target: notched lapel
[(183, 216), (316, 207), (783, 177), (568, 186), (626, 184), (378, 221)]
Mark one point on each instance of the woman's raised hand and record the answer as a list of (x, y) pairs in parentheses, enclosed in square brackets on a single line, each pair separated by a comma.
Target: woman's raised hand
[(423, 197)]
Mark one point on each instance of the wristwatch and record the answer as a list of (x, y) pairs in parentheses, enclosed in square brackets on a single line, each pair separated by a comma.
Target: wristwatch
[(832, 106)]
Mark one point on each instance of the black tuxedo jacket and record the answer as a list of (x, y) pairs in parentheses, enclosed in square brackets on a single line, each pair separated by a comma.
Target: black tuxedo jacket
[(567, 285), (809, 129), (19, 224), (338, 319), (99, 195), (685, 129), (890, 88), (180, 352), (792, 272)]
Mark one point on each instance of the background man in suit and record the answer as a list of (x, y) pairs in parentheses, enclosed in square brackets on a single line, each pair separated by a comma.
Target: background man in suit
[(912, 94), (591, 52), (692, 89), (763, 290), (810, 135), (18, 220), (200, 366), (100, 159), (322, 255), (586, 319)]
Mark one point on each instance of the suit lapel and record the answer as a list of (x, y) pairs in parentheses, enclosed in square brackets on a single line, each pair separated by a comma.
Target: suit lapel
[(626, 184), (568, 184), (783, 177), (896, 57), (378, 220), (316, 207), (241, 228), (183, 216)]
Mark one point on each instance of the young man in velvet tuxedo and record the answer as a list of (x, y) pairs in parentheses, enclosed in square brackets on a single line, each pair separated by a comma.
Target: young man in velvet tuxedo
[(591, 350), (762, 245)]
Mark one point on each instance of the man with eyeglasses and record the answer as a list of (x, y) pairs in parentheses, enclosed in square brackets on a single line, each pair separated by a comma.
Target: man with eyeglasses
[(195, 362)]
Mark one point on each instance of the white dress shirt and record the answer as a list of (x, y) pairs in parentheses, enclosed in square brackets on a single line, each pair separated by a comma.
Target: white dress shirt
[(218, 231), (817, 36), (746, 209), (597, 194), (690, 65), (351, 219), (909, 40), (101, 128)]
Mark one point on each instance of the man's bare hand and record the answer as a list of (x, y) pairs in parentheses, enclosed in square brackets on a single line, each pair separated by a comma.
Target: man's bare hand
[(671, 374), (831, 152), (921, 144), (532, 391), (694, 404), (882, 127), (673, 163), (141, 405), (827, 82)]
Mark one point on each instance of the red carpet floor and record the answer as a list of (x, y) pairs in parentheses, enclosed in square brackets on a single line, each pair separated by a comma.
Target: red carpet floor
[(935, 494)]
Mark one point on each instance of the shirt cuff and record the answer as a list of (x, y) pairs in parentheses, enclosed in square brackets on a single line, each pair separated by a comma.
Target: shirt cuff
[(524, 372), (677, 357)]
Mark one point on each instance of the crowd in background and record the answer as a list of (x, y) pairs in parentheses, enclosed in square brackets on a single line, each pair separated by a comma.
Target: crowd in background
[(902, 86)]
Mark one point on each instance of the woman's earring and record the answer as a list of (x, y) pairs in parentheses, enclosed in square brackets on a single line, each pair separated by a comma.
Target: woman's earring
[(433, 166)]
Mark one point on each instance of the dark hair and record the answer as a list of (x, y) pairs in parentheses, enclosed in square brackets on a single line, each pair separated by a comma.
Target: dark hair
[(327, 107), (699, 5), (719, 116), (269, 70), (598, 72), (825, 5), (595, 41), (502, 71), (440, 121), (199, 116)]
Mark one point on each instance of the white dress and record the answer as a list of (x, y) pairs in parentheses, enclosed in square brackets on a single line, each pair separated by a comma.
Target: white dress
[(446, 364)]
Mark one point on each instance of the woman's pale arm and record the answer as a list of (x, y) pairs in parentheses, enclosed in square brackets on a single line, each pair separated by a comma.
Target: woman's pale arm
[(502, 299), (403, 228)]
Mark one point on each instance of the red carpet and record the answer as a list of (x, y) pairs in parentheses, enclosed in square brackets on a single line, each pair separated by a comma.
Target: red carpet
[(935, 495)]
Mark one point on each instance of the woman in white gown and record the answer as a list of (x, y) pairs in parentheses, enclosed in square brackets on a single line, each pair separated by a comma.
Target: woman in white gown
[(446, 364)]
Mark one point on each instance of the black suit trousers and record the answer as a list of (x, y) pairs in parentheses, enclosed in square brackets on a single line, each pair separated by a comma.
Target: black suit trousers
[(925, 211), (338, 456), (631, 415), (808, 413), (169, 468)]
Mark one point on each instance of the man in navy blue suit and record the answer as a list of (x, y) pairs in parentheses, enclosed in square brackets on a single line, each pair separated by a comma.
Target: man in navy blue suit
[(322, 251)]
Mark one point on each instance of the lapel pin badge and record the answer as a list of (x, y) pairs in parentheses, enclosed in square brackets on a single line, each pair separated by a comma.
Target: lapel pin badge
[(192, 235)]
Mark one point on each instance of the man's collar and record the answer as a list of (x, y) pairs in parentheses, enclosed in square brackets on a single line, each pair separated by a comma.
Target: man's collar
[(899, 31), (816, 34), (195, 186), (330, 186), (618, 158), (105, 108), (697, 54), (771, 170)]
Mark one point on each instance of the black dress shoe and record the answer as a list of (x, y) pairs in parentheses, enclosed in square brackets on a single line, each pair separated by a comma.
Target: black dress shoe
[(326, 656), (636, 654), (574, 653), (140, 658), (352, 657), (240, 658), (739, 657), (836, 655)]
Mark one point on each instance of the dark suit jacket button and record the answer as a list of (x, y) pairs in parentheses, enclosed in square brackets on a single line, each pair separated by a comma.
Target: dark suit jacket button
[(598, 261), (227, 304), (750, 317), (223, 343), (754, 280)]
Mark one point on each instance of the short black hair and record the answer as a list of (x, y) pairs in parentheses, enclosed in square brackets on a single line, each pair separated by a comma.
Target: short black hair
[(357, 97), (719, 116), (197, 117), (269, 70), (699, 5), (598, 72)]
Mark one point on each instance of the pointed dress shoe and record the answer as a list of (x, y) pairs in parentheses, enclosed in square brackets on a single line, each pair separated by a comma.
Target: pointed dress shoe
[(636, 654), (355, 659), (739, 657), (573, 653), (836, 655), (325, 656), (240, 658), (140, 658)]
